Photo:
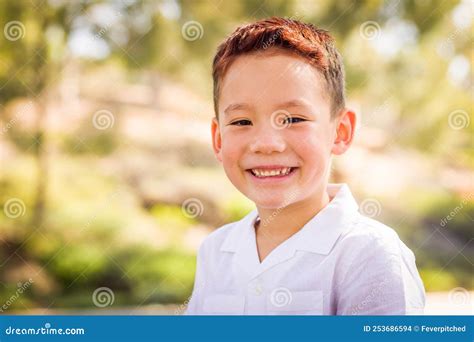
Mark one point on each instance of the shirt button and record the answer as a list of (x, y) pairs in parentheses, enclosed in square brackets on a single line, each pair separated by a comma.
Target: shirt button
[(258, 289)]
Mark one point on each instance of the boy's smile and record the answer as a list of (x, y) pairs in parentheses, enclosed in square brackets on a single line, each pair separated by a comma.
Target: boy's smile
[(275, 134), (269, 172)]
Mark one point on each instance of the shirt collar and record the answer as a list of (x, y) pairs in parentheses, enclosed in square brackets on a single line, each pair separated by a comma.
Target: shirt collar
[(317, 236)]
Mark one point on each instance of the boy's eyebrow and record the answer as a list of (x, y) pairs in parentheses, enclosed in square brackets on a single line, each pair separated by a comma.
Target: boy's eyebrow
[(286, 104), (236, 106)]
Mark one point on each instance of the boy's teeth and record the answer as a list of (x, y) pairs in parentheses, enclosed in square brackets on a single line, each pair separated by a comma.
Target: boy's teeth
[(270, 173)]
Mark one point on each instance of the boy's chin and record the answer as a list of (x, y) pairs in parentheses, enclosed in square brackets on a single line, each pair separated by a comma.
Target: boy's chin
[(271, 204)]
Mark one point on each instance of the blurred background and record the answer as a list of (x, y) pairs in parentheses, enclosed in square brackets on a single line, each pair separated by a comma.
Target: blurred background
[(108, 183)]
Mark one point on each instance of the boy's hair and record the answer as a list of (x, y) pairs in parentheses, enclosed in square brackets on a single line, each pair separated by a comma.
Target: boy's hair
[(315, 45)]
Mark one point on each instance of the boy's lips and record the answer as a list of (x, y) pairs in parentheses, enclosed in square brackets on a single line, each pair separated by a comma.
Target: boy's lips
[(271, 172)]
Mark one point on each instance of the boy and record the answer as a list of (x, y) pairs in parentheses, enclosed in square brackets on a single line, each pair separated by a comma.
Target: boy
[(305, 250)]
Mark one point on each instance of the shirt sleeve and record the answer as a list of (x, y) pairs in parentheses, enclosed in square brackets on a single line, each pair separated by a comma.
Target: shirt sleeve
[(382, 280), (194, 306)]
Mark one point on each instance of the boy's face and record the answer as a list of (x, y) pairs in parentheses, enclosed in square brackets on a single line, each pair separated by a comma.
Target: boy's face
[(275, 135)]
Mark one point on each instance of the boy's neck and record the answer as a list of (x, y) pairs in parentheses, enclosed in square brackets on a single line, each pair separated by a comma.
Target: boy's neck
[(281, 223)]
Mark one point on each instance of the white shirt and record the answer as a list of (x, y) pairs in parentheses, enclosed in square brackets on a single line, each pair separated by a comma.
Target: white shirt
[(339, 263)]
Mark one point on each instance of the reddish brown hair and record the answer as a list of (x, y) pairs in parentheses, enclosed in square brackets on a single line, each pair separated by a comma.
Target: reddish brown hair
[(315, 45)]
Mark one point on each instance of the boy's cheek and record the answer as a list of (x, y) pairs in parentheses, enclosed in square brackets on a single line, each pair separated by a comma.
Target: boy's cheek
[(314, 145), (227, 157), (316, 158)]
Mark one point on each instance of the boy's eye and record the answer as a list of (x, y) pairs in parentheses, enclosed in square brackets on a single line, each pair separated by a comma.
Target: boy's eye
[(241, 123), (292, 119)]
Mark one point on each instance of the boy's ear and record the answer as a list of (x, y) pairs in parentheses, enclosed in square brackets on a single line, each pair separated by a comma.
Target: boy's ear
[(216, 139), (345, 130)]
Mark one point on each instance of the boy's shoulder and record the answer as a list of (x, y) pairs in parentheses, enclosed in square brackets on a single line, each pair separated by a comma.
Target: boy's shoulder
[(369, 228), (367, 233)]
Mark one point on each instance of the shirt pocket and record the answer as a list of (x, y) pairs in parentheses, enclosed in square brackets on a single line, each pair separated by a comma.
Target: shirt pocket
[(222, 304), (295, 303)]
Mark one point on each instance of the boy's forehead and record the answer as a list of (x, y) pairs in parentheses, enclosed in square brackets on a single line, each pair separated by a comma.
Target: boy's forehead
[(276, 78), (269, 66)]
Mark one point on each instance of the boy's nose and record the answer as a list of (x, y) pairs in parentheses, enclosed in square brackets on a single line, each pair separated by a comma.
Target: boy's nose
[(267, 143)]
